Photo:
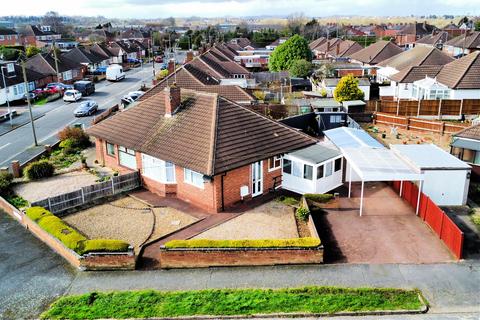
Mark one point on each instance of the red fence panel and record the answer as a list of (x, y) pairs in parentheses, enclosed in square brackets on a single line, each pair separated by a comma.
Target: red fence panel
[(407, 190), (434, 217), (413, 196), (452, 236), (396, 186), (423, 206)]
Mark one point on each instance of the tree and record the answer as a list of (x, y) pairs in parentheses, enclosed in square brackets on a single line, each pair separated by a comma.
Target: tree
[(300, 68), (31, 51), (347, 89), (477, 25), (295, 48), (52, 19)]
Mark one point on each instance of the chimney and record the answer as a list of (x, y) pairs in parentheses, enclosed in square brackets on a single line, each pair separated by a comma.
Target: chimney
[(328, 45), (172, 100), (338, 49), (171, 66), (189, 56)]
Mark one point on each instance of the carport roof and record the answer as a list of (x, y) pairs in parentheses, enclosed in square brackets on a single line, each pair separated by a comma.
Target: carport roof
[(344, 137), (380, 165)]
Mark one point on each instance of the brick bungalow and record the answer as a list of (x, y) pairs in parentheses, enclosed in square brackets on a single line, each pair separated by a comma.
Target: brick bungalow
[(199, 147), (68, 70)]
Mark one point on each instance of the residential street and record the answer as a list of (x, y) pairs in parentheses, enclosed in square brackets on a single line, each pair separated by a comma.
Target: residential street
[(31, 276), (52, 117)]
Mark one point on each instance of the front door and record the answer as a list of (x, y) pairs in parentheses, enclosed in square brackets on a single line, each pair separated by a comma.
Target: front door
[(257, 178)]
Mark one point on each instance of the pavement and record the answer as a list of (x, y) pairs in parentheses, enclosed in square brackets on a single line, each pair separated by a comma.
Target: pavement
[(32, 276), (54, 116)]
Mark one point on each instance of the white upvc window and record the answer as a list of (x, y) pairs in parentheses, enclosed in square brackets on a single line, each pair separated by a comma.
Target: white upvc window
[(158, 170), (67, 75), (193, 178), (127, 157)]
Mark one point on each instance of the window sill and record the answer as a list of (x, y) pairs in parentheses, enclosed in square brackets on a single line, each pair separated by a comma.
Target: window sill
[(191, 184)]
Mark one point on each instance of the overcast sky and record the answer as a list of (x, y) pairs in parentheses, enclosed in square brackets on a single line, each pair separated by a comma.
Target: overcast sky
[(220, 8)]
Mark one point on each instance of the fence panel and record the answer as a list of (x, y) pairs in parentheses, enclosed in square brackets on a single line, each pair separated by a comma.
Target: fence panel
[(451, 107), (413, 195), (452, 236), (396, 186), (407, 190), (126, 182), (96, 191), (65, 201), (424, 200), (434, 217)]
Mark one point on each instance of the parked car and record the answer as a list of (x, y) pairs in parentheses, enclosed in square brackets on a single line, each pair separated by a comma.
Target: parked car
[(131, 97), (163, 66), (115, 73), (159, 59), (72, 96), (31, 95), (86, 108), (86, 87), (99, 70), (59, 85), (133, 60)]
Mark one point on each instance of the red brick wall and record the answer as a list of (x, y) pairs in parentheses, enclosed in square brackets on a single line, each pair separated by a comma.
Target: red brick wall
[(237, 257), (355, 72), (108, 261)]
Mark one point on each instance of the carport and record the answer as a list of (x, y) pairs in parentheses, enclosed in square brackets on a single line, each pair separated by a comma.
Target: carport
[(375, 165)]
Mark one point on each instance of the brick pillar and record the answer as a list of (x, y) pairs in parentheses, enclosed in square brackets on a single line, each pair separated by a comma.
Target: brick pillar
[(189, 56), (171, 66), (16, 171)]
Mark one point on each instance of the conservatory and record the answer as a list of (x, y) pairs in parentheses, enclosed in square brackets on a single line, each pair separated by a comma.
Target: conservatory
[(315, 169), (430, 89)]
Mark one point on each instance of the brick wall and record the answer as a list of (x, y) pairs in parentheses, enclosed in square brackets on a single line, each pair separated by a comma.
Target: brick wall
[(355, 72), (108, 261), (202, 258)]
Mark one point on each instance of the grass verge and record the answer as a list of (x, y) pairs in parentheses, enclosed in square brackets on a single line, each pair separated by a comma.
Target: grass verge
[(144, 304)]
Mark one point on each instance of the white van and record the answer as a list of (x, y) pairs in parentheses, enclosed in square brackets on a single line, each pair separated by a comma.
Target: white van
[(115, 73)]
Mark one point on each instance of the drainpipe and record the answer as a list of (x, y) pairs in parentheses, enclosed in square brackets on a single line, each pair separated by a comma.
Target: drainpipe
[(221, 190)]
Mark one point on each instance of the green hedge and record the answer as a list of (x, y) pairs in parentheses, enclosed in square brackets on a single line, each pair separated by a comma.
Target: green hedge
[(39, 169), (260, 243), (103, 245), (322, 198), (37, 213), (70, 237)]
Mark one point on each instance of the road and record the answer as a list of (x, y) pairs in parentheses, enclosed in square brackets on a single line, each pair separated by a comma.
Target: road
[(54, 116), (32, 276)]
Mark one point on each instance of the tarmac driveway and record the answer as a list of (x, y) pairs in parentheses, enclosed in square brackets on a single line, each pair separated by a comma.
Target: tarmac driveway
[(388, 232)]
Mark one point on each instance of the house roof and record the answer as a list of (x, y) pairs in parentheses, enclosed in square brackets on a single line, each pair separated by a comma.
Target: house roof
[(101, 49), (242, 42), (220, 69), (82, 55), (418, 29), (315, 43), (470, 40), (434, 39), (345, 48), (208, 133), (328, 45), (376, 52), (417, 56), (415, 73), (17, 77), (191, 77), (472, 132), (463, 73), (6, 32), (315, 154), (45, 63)]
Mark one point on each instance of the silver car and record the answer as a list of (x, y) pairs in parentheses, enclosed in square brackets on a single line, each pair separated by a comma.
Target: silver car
[(86, 108)]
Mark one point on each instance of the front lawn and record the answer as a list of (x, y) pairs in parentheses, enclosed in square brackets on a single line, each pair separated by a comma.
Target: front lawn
[(144, 304)]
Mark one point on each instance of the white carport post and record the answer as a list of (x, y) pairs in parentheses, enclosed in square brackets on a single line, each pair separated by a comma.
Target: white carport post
[(361, 198), (401, 188), (419, 195), (350, 181)]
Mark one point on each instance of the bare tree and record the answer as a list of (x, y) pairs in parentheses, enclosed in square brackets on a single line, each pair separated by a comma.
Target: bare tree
[(52, 19)]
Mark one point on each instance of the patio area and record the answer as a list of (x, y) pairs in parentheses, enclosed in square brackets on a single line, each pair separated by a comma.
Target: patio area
[(387, 232)]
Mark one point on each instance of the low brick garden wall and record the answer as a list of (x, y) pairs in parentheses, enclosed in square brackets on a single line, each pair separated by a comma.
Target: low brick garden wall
[(86, 262)]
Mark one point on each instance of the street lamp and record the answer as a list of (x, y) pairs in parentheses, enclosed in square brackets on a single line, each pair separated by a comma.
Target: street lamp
[(6, 94)]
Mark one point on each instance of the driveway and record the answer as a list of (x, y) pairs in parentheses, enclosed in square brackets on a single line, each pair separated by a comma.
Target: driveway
[(388, 232)]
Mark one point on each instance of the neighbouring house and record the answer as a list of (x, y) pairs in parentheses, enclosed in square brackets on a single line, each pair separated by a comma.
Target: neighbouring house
[(66, 44), (243, 43), (454, 30), (329, 85), (103, 50), (428, 57), (446, 178), (374, 54), (91, 59), (96, 35), (9, 37), (464, 44), (436, 40), (410, 33), (38, 36), (15, 83), (272, 46), (68, 71), (322, 48), (123, 51), (198, 147), (460, 79), (466, 146)]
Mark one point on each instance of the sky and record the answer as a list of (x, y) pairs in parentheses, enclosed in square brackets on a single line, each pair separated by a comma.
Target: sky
[(151, 9)]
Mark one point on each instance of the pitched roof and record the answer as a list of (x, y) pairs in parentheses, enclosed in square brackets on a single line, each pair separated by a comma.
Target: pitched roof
[(376, 52), (242, 42), (102, 49), (17, 77), (470, 40), (328, 45), (472, 132), (463, 73), (417, 56), (220, 68), (5, 31), (45, 63), (345, 48), (315, 43), (415, 73), (82, 55), (435, 39), (208, 134), (191, 77), (418, 29)]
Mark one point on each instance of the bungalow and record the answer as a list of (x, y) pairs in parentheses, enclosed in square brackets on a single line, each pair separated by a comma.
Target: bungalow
[(68, 70), (409, 34), (374, 54), (198, 147), (9, 37), (463, 44), (466, 146), (420, 56), (436, 39), (122, 51), (457, 80), (102, 50), (15, 82), (91, 59)]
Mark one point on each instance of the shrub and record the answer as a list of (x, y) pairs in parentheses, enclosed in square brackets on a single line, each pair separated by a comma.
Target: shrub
[(37, 213), (321, 198), (5, 181), (77, 135), (300, 68), (257, 243), (102, 245), (67, 146), (259, 94), (302, 213), (39, 169), (289, 201), (70, 237), (17, 201)]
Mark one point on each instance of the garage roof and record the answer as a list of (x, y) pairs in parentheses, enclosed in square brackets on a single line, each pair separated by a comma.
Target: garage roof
[(428, 156), (344, 137)]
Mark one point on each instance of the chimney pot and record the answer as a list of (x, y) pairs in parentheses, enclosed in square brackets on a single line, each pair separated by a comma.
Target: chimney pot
[(172, 100)]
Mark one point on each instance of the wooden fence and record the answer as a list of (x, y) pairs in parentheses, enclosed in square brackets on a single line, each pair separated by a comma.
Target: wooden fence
[(418, 108), (115, 185), (419, 124)]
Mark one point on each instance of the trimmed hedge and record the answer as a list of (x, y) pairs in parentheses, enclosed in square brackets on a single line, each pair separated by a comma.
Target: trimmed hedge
[(321, 198), (70, 237), (103, 245), (37, 213), (260, 243), (39, 169)]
